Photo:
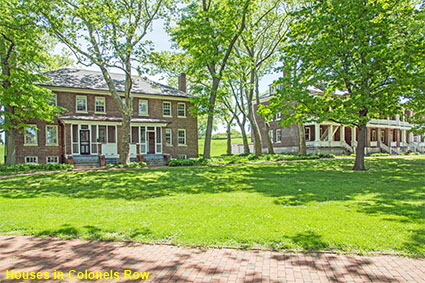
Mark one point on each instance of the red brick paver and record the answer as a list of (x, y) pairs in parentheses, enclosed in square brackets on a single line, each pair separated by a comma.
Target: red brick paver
[(180, 264)]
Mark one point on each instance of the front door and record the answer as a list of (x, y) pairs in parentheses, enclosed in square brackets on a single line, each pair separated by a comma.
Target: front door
[(151, 142), (84, 142)]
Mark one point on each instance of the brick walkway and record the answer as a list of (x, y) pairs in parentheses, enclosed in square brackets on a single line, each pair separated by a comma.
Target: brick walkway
[(179, 264)]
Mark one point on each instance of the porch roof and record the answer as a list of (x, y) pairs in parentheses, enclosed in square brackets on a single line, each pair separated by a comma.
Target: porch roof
[(110, 118)]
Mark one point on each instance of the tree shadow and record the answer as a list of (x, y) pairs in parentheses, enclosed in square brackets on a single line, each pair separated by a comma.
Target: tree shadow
[(177, 264)]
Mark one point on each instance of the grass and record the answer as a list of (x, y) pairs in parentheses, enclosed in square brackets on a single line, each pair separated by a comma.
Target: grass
[(309, 205), (218, 147)]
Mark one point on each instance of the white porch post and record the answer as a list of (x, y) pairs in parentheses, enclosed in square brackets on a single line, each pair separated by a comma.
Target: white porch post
[(342, 133), (316, 132), (353, 134), (330, 133)]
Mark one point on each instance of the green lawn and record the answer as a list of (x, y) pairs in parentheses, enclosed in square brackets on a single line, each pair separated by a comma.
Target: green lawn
[(320, 205), (218, 147)]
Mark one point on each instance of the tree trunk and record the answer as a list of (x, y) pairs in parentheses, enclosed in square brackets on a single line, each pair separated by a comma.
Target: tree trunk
[(302, 147), (211, 108), (361, 144), (229, 139), (124, 138), (257, 136), (10, 152), (270, 148), (245, 140)]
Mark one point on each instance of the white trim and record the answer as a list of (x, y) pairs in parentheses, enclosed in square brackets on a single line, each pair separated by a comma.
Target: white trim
[(76, 104), (36, 136), (104, 104), (181, 116), (178, 137), (171, 110), (55, 162), (278, 135), (171, 137), (57, 135), (147, 107), (36, 159)]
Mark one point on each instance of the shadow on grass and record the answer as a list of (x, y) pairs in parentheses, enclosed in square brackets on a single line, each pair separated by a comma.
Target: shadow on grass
[(394, 188)]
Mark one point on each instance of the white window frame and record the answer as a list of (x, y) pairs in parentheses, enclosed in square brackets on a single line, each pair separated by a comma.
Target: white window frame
[(35, 157), (52, 157), (278, 135), (184, 110), (178, 137), (271, 135), (147, 107), (171, 136), (57, 135), (36, 136), (171, 112), (84, 97), (307, 133), (101, 98)]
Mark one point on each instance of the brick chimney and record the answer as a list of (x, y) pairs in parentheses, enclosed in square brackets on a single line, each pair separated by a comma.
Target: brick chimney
[(182, 82)]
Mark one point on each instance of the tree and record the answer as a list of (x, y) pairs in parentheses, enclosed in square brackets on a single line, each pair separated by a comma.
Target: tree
[(207, 32), (24, 55), (357, 46), (109, 34), (256, 54)]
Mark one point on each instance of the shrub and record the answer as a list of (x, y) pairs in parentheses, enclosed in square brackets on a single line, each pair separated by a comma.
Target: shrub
[(380, 154), (34, 167), (187, 162), (130, 165), (413, 153)]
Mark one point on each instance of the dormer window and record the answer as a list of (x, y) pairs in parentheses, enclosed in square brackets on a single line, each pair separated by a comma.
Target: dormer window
[(81, 103)]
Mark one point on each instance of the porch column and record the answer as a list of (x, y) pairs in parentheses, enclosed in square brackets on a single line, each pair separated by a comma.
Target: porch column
[(316, 132), (342, 133), (353, 135), (330, 133)]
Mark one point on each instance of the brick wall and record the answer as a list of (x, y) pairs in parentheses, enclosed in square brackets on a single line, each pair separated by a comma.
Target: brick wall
[(68, 101)]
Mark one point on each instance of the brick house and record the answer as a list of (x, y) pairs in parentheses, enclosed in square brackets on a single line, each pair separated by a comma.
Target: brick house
[(161, 127), (389, 135)]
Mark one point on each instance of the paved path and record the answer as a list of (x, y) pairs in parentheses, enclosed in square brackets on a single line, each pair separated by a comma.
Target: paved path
[(179, 264)]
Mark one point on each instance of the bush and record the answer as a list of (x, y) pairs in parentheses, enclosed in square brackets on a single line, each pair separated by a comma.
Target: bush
[(130, 165), (380, 154), (413, 153), (34, 167), (187, 162)]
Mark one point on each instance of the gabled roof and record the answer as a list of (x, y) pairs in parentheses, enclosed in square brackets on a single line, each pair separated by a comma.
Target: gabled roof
[(93, 80)]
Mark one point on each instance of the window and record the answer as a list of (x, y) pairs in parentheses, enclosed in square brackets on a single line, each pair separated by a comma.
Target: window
[(134, 134), (181, 137), (382, 136), (111, 134), (307, 133), (31, 159), (373, 136), (166, 109), (181, 109), (279, 135), (182, 156), (51, 135), (271, 135), (168, 137), (52, 159), (143, 107), (100, 105), (81, 102), (53, 99), (31, 136), (101, 137)]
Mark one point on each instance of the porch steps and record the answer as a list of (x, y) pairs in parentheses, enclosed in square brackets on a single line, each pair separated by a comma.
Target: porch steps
[(86, 162), (153, 160)]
